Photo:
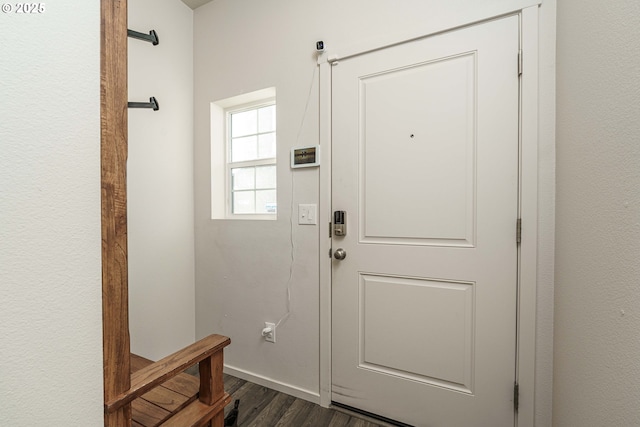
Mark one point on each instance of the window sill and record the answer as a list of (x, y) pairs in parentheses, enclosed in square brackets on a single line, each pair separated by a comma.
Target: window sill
[(250, 217)]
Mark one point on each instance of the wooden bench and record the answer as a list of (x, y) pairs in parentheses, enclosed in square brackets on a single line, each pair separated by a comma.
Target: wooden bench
[(161, 394)]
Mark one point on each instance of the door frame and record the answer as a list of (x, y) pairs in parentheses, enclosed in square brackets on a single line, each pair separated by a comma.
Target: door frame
[(528, 212)]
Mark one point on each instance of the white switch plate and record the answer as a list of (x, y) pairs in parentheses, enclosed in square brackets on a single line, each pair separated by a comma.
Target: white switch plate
[(308, 214)]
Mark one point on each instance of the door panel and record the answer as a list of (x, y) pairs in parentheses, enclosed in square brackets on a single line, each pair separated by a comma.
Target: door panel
[(427, 306), (425, 163), (432, 136)]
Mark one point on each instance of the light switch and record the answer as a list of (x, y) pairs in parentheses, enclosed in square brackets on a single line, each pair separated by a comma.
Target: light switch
[(308, 214)]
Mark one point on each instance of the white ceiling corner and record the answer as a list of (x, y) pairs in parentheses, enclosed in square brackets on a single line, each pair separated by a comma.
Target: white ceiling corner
[(195, 3)]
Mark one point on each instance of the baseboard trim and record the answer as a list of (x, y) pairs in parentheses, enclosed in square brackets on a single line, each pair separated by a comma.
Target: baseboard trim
[(289, 389)]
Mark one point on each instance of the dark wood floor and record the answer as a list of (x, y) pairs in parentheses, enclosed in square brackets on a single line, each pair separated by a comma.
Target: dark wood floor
[(263, 407)]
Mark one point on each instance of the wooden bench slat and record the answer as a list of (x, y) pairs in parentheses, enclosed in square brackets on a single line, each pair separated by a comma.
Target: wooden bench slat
[(148, 414), (138, 362), (167, 399), (198, 414), (185, 384)]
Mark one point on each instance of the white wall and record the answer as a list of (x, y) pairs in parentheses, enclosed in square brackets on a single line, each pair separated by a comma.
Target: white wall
[(597, 312), (160, 180), (242, 267), (50, 272), (546, 214)]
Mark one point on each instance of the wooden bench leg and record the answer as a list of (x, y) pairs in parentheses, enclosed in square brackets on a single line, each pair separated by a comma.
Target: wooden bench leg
[(212, 384)]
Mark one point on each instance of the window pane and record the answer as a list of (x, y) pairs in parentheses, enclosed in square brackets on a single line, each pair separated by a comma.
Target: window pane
[(243, 178), (266, 177), (245, 123), (244, 149), (252, 140), (267, 146), (266, 201), (267, 119), (244, 202)]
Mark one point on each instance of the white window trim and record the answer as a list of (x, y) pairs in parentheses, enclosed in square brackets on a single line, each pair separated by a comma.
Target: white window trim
[(220, 189)]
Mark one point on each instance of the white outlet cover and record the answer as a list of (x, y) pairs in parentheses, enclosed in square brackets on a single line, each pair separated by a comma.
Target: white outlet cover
[(271, 337)]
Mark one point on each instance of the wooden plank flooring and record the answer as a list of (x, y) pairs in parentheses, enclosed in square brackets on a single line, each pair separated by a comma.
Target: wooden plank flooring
[(263, 407)]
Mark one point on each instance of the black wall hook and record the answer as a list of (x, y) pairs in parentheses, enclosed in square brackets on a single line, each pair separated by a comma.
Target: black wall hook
[(153, 103), (151, 37)]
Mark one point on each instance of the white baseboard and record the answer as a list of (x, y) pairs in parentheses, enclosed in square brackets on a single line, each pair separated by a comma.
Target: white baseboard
[(294, 391)]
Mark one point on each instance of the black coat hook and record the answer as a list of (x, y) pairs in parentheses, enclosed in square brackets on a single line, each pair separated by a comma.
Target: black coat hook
[(151, 37), (153, 103)]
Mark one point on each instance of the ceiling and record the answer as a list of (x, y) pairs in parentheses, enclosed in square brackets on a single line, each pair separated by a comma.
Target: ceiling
[(195, 3)]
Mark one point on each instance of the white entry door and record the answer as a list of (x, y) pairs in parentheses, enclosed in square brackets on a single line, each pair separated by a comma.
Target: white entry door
[(425, 165)]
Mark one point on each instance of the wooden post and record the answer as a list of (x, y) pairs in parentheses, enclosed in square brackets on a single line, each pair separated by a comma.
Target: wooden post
[(212, 384), (113, 132)]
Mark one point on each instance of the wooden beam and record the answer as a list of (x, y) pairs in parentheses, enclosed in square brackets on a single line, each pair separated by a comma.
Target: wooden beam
[(113, 129)]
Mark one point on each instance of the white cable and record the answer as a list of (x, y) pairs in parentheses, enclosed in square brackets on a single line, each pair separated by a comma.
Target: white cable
[(292, 241)]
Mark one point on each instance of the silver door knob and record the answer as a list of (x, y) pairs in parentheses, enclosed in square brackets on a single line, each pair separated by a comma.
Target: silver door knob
[(340, 254)]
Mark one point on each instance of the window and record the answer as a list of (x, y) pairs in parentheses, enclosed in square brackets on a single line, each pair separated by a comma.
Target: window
[(243, 157), (251, 165)]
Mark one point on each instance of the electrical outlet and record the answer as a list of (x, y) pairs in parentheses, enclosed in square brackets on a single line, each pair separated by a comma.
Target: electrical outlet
[(269, 332)]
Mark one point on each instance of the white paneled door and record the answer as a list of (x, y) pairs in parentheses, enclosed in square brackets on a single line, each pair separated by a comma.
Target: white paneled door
[(425, 165)]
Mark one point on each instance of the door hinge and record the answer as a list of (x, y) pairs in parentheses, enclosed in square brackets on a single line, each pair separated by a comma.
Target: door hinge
[(519, 230), (516, 396), (520, 62), (330, 229)]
